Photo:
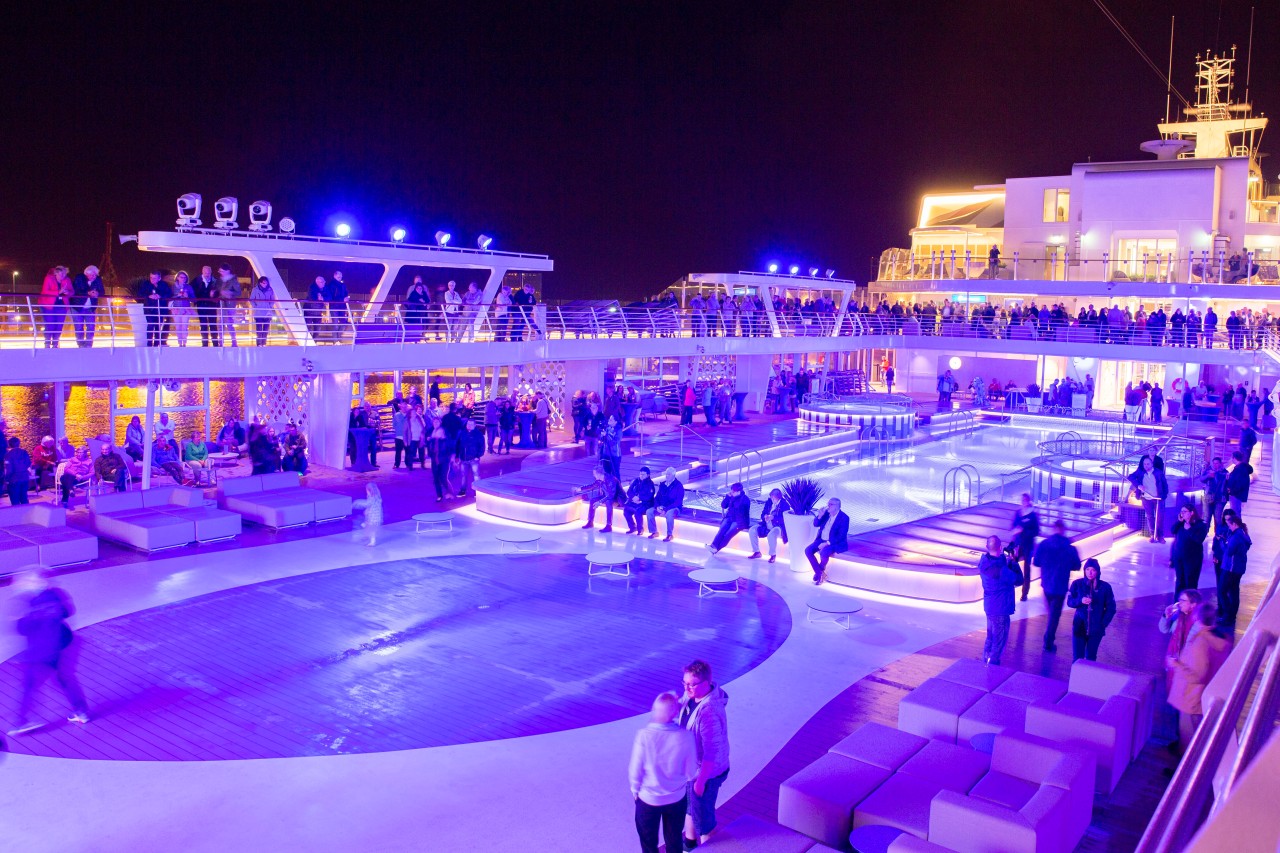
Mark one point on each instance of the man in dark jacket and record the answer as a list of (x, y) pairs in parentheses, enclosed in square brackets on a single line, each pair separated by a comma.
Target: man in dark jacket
[(336, 294), (86, 290), (1095, 606), (604, 489), (669, 501), (832, 538), (1056, 558), (737, 516), (1000, 577), (205, 290), (770, 526), (640, 496), (1248, 441), (48, 649), (1214, 478), (1238, 482), (154, 294), (17, 473)]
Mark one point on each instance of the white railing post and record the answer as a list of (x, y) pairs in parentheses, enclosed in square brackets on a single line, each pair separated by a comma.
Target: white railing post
[(1106, 260), (1222, 260), (1015, 266)]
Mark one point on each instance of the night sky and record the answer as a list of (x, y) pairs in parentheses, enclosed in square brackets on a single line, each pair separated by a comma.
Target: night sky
[(633, 142)]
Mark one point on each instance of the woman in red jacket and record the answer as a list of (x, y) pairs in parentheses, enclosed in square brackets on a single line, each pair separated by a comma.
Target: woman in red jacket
[(55, 297)]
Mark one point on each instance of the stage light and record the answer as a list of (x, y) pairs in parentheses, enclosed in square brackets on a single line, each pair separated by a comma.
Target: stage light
[(483, 242), (773, 267), (343, 230), (189, 210), (831, 273), (287, 225), (794, 269), (260, 216), (398, 234), (225, 211), (813, 272), (443, 238), (955, 362)]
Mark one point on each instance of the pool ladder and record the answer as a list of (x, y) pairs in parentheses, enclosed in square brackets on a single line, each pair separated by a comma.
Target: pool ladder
[(951, 487)]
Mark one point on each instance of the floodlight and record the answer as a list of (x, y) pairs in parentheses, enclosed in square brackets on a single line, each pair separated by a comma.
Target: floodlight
[(225, 211), (794, 269), (831, 273), (260, 216), (813, 272), (189, 210), (443, 238), (287, 225), (483, 242), (343, 230), (773, 267), (398, 234)]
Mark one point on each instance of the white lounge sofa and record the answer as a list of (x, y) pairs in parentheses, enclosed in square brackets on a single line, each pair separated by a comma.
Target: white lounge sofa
[(159, 518), (38, 533), (280, 500), (934, 708), (905, 798), (1098, 714), (1037, 797), (1103, 680)]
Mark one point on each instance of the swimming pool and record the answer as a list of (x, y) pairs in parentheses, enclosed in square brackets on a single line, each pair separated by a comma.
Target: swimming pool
[(908, 484)]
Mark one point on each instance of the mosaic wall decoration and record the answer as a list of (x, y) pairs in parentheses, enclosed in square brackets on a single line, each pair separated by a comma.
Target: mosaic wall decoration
[(713, 368), (279, 399), (547, 377)]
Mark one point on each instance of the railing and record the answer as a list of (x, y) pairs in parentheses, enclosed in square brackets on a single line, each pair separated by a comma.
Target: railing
[(951, 486), (950, 266), (745, 463), (1182, 807), (25, 324), (979, 326), (117, 322), (711, 462)]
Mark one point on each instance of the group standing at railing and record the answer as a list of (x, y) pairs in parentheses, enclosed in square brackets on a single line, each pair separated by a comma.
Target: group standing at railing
[(1244, 328)]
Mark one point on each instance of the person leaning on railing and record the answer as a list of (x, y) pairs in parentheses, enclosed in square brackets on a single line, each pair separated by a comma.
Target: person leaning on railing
[(180, 306), (262, 303), (86, 291)]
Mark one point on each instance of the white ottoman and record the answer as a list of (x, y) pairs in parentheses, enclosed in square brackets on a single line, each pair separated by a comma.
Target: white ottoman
[(904, 800), (880, 746), (992, 713), (975, 673), (1032, 688), (819, 800), (933, 709)]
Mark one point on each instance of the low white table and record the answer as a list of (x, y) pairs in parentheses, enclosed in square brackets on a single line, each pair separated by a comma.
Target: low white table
[(833, 608), (431, 521), (520, 542), (711, 581), (615, 563)]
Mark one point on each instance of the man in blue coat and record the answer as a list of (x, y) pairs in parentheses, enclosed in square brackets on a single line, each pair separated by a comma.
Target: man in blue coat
[(1056, 558), (737, 516), (1000, 577), (832, 538)]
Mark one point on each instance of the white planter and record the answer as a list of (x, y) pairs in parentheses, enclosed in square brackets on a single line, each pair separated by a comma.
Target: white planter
[(1033, 404), (800, 532)]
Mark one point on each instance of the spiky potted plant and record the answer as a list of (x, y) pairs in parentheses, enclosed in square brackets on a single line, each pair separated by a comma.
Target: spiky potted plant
[(802, 495)]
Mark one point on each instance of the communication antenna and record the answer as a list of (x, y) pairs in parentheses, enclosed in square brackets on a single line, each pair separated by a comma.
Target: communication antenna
[(106, 269), (1168, 77)]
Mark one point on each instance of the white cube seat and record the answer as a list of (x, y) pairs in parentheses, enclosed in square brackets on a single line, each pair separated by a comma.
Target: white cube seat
[(1103, 681), (1032, 688), (903, 800), (977, 674), (819, 800), (933, 709), (993, 714), (880, 746), (1103, 727)]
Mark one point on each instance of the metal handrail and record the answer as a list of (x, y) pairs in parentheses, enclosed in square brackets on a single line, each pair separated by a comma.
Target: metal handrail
[(1185, 797), (952, 478), (711, 465), (1258, 726)]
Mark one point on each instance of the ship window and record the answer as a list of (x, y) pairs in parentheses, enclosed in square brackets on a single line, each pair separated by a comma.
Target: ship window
[(1056, 203)]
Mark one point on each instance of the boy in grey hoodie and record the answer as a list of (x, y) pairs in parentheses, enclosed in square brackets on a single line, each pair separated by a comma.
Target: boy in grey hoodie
[(702, 711)]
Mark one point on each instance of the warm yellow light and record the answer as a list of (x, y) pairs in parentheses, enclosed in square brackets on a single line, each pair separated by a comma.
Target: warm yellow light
[(929, 202)]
